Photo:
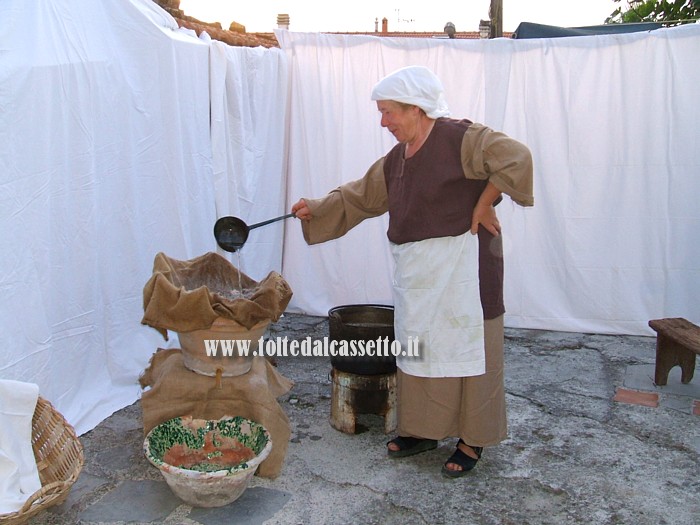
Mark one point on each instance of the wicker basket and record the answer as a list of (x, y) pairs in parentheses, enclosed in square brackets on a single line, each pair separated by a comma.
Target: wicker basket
[(59, 459)]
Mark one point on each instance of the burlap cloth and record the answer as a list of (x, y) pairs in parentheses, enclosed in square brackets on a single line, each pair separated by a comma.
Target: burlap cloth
[(183, 296), (176, 391)]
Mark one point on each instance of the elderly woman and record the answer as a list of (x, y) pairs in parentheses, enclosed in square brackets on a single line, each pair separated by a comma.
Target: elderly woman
[(439, 184)]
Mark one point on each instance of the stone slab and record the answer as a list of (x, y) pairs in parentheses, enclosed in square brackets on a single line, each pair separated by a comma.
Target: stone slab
[(141, 501), (641, 377), (254, 507)]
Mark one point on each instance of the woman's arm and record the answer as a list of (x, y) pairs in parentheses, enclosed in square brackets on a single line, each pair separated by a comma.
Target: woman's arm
[(505, 162), (343, 208)]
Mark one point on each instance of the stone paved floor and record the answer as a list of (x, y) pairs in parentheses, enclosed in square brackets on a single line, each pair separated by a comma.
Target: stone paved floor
[(575, 454)]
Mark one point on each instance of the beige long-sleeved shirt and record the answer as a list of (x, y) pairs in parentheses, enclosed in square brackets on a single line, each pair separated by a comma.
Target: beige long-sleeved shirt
[(485, 155)]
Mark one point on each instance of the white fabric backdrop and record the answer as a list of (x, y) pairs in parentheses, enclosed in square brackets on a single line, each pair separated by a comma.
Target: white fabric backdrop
[(248, 105), (612, 123), (107, 158), (106, 155), (123, 136)]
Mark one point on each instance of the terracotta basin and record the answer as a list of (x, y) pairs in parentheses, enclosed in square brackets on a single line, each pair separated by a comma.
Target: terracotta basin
[(194, 351), (205, 483)]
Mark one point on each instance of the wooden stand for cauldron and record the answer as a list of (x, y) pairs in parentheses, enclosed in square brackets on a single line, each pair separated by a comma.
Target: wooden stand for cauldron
[(354, 394)]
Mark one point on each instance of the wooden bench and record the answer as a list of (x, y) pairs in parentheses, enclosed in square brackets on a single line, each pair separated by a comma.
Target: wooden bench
[(677, 343)]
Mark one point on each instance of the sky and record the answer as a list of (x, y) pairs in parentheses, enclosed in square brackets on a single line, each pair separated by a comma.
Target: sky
[(260, 16)]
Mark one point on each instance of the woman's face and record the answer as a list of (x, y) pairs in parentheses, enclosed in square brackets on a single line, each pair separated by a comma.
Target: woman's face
[(401, 120)]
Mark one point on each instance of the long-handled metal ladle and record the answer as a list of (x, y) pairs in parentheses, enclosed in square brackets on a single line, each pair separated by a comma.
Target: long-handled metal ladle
[(231, 233)]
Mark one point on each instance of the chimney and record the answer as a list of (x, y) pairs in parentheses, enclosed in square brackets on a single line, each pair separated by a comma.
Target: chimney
[(484, 28), (385, 25), (376, 25), (236, 27), (282, 21)]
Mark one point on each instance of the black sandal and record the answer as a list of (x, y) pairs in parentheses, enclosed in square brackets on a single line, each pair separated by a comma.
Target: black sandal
[(465, 461), (408, 446)]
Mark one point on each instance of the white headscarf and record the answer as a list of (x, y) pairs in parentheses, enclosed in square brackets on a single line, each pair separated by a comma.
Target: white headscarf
[(415, 85)]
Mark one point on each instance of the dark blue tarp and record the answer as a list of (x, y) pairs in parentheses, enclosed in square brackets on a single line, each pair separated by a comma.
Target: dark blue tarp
[(532, 30)]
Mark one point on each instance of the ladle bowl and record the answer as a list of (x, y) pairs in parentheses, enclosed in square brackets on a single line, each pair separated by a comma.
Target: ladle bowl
[(231, 233)]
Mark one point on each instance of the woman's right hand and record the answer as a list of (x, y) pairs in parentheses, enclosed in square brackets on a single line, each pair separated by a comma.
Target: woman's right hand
[(301, 210)]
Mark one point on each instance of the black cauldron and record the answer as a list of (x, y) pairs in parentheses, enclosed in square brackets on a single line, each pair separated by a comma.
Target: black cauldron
[(362, 323)]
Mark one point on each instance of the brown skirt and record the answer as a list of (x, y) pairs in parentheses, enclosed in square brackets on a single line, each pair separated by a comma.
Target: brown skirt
[(471, 408)]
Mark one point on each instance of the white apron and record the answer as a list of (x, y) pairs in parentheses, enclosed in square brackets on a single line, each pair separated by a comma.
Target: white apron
[(437, 303)]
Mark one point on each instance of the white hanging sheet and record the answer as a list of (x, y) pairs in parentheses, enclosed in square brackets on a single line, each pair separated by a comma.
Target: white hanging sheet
[(106, 160), (110, 156), (248, 107), (611, 121)]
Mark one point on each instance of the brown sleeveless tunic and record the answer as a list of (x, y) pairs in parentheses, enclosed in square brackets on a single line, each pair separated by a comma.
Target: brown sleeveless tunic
[(429, 196)]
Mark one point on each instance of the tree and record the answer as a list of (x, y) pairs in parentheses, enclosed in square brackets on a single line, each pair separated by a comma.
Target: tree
[(671, 13)]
